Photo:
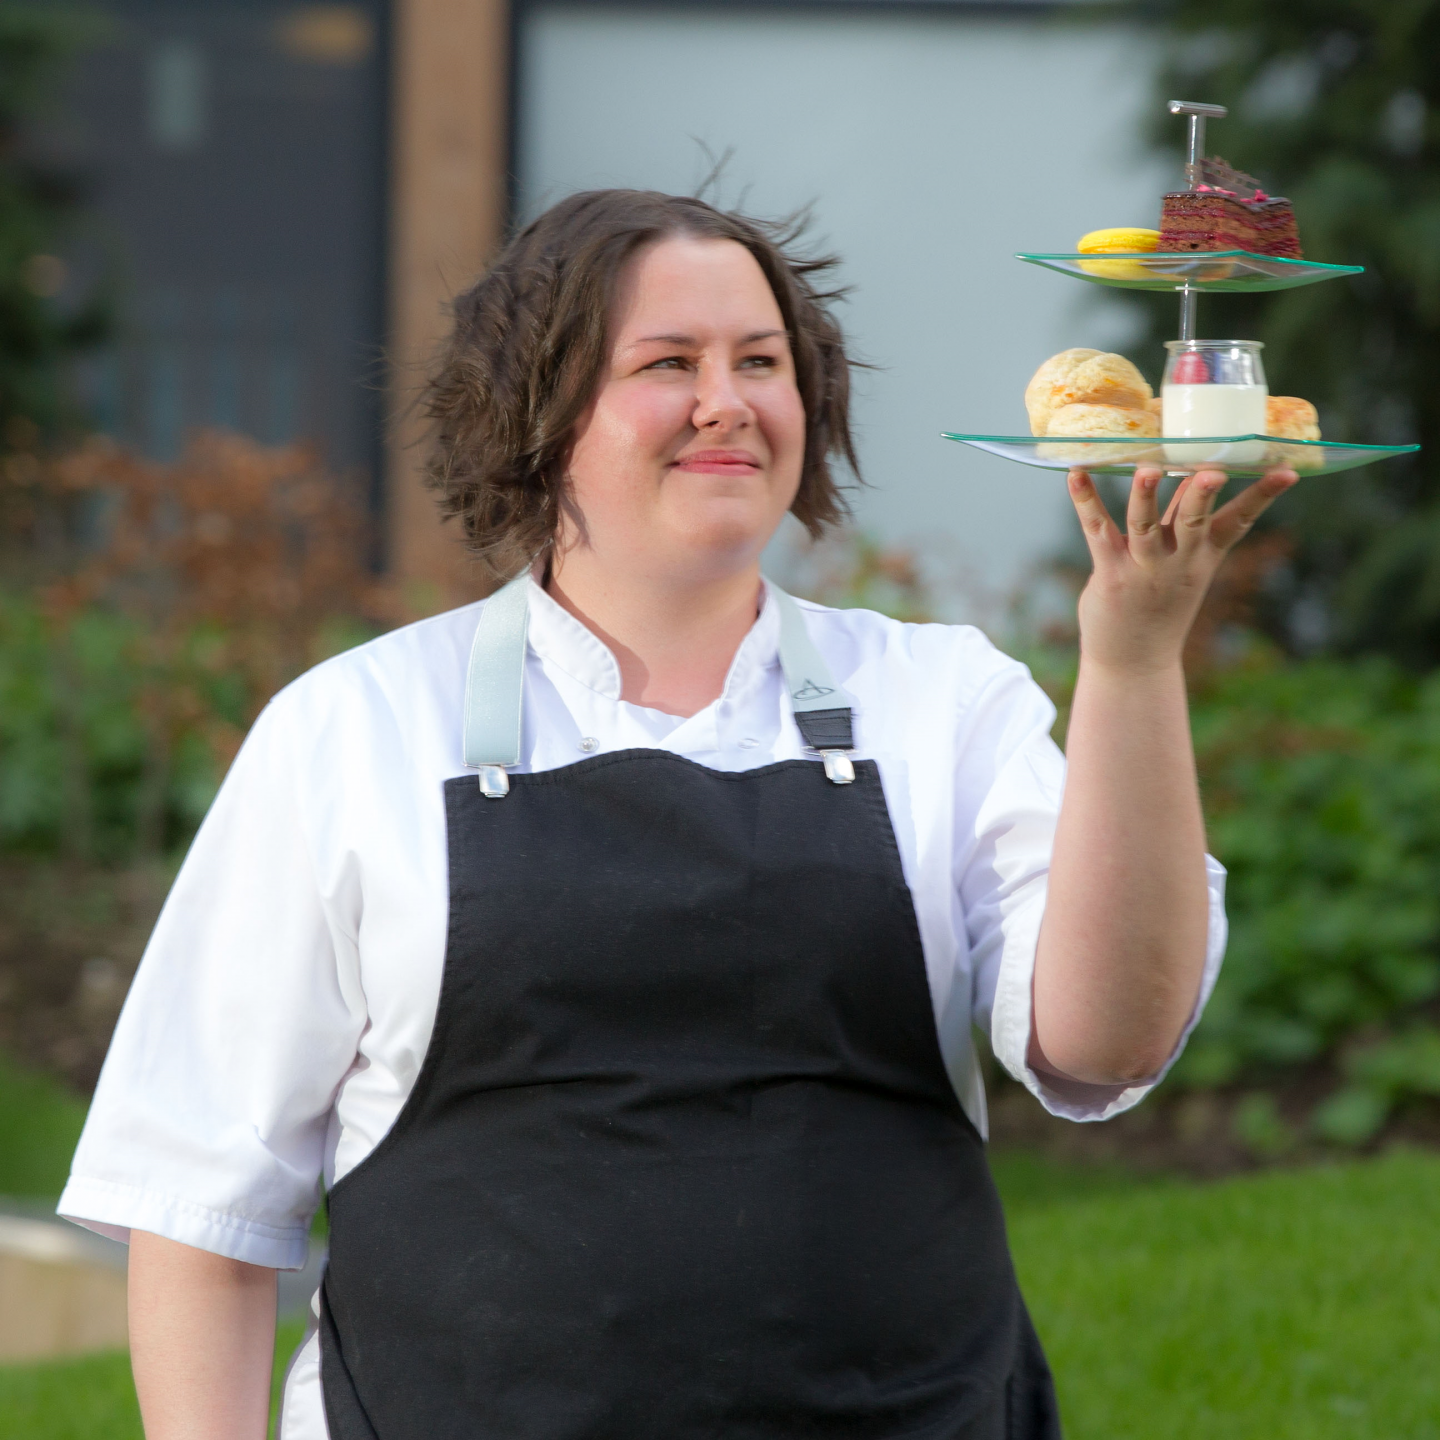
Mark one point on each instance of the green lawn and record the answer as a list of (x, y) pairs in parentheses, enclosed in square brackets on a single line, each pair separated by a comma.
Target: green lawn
[(1299, 1303), (91, 1399)]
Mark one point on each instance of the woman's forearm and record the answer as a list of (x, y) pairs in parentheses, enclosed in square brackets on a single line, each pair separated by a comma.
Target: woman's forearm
[(1122, 945), (202, 1341)]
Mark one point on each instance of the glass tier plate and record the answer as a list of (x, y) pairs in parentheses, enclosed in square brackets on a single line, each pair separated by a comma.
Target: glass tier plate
[(1208, 270), (1238, 454)]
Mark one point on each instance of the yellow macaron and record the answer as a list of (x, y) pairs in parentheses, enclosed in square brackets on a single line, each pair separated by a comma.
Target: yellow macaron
[(1119, 240)]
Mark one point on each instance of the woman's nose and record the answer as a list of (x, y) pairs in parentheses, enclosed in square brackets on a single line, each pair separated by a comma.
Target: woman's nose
[(718, 400)]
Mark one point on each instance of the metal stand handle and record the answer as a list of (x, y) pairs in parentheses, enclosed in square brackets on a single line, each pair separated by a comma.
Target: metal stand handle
[(1198, 114)]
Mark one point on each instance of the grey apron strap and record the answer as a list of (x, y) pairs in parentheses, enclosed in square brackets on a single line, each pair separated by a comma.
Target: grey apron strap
[(494, 690), (822, 710), (494, 686)]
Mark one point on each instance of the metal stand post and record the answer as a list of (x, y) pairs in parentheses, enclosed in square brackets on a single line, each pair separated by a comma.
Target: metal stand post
[(1188, 297), (1195, 153)]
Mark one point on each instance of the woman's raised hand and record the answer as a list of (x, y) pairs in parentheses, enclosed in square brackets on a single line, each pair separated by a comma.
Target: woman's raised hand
[(1148, 582)]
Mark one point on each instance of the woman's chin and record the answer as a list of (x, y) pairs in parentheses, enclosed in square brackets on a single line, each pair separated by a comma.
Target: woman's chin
[(726, 524), (719, 543)]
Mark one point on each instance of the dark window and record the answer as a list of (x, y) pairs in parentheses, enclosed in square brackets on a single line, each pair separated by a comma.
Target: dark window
[(236, 157)]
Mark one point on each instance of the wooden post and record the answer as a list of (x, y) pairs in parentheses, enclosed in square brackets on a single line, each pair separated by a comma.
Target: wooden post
[(449, 150)]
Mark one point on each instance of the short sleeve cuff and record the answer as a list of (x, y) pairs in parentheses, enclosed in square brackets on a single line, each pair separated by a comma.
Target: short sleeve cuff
[(1011, 1017), (114, 1210)]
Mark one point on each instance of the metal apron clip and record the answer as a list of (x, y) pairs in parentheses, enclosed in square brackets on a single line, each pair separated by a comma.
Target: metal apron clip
[(494, 690)]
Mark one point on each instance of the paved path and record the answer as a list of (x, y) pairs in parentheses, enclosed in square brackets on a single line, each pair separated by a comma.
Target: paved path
[(62, 1287)]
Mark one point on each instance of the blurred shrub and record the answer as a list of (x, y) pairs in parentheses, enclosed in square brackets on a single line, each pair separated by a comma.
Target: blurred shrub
[(1379, 1076), (75, 761), (165, 605), (40, 1124), (1322, 791), (1259, 1126), (852, 570)]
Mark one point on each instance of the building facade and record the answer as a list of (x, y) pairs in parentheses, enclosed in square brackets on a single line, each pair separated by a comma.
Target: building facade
[(297, 191)]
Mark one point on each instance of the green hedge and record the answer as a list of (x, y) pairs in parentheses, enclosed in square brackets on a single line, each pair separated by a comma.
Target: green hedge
[(106, 752), (77, 758), (1322, 791), (40, 1125), (1321, 786)]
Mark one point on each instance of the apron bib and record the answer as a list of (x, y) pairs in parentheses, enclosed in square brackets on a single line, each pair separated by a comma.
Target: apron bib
[(683, 1159)]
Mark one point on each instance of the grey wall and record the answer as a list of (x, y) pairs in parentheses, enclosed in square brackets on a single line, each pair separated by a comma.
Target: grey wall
[(934, 146)]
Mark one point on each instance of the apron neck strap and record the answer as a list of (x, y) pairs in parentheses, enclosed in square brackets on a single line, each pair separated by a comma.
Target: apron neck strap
[(494, 686), (822, 709), (494, 689)]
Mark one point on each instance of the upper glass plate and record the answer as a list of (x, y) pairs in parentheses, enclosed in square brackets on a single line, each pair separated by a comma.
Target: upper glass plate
[(1198, 269), (1238, 454)]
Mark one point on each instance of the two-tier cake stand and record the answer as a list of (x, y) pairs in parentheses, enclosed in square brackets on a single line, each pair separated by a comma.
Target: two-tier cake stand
[(1189, 274)]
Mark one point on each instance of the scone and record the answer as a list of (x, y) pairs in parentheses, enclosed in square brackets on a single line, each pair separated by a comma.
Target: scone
[(1291, 418), (1088, 422), (1084, 421), (1082, 377), (1039, 393)]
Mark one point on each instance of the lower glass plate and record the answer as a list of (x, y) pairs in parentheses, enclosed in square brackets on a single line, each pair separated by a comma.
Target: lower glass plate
[(1207, 270), (1238, 454)]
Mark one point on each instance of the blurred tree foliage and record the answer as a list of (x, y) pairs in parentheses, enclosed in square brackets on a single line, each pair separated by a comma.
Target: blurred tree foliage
[(1336, 103), (853, 570), (42, 324)]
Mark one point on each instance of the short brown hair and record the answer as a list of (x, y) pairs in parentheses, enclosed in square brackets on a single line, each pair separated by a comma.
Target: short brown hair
[(529, 348)]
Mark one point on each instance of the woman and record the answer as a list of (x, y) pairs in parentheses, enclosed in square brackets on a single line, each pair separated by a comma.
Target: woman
[(686, 1141)]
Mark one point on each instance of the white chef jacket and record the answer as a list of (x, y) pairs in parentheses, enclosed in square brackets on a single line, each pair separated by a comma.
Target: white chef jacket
[(283, 1006)]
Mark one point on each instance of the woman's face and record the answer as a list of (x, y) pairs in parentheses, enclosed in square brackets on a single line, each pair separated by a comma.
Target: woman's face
[(690, 453)]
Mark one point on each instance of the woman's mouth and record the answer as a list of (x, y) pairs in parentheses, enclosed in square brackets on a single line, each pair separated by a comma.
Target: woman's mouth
[(718, 462)]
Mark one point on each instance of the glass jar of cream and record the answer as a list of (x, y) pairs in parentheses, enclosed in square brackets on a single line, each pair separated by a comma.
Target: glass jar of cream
[(1213, 388)]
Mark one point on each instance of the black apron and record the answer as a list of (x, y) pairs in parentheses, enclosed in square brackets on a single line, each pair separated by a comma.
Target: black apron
[(683, 1159)]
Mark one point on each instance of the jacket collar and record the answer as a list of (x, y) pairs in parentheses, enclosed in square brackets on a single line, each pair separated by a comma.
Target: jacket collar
[(559, 639)]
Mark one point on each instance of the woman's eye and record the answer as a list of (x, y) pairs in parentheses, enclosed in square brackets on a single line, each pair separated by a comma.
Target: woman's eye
[(670, 362), (760, 362)]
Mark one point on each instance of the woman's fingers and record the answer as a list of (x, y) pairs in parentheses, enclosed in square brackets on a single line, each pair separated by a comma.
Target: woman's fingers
[(1142, 514), (1190, 519), (1100, 533), (1235, 519), (1193, 508), (1175, 499)]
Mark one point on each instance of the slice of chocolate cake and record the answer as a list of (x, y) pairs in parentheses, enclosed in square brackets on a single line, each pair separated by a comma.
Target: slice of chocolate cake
[(1225, 209)]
